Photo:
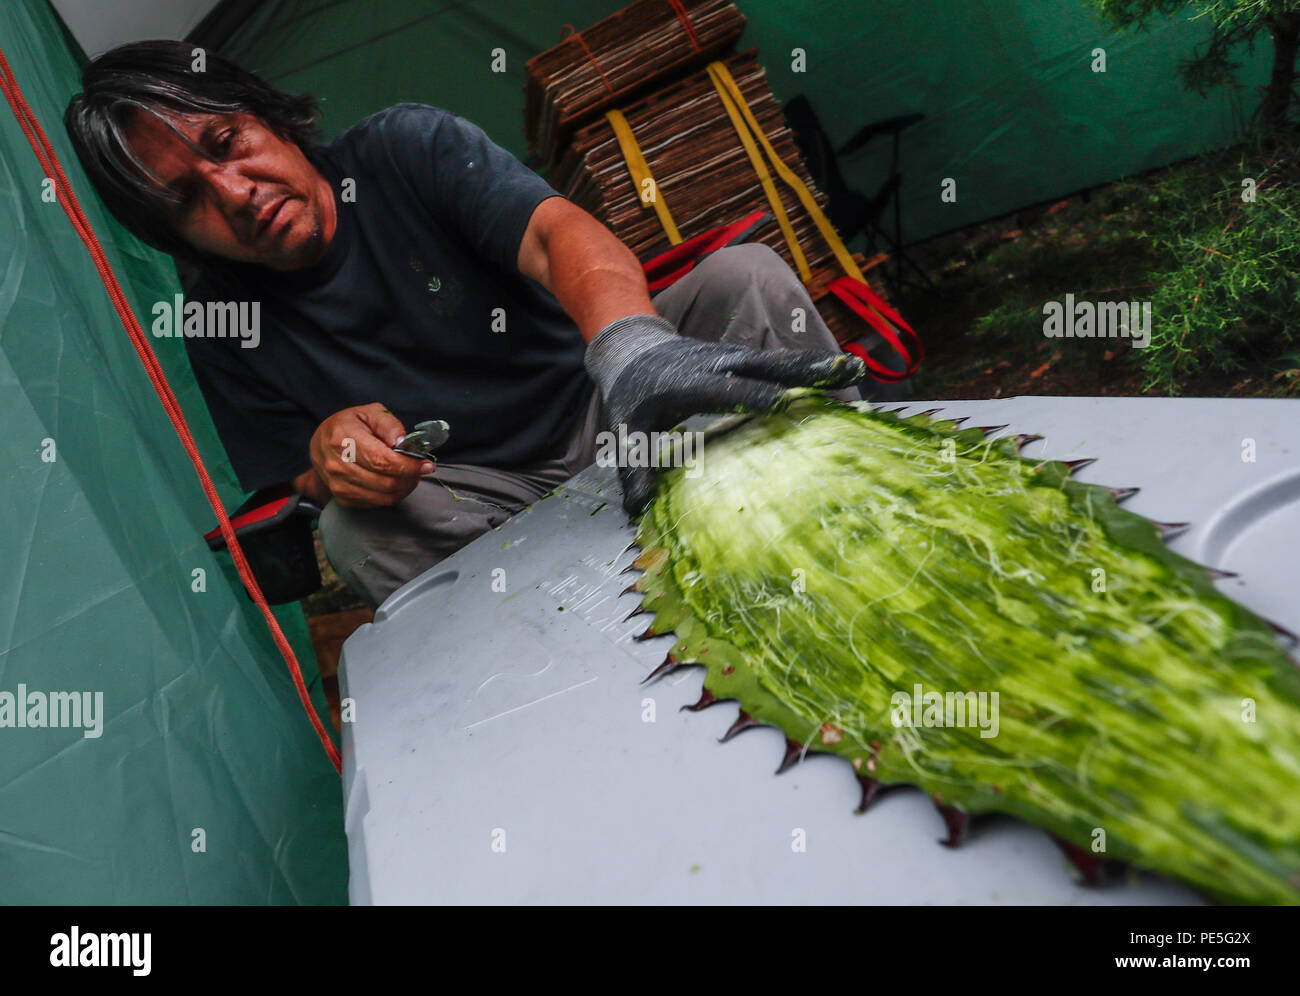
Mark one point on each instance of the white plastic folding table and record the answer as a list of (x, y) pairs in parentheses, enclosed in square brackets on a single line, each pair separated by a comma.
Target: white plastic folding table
[(504, 749)]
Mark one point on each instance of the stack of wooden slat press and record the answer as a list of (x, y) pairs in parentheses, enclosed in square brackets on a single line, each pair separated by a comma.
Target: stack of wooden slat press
[(698, 163), (617, 60), (648, 62)]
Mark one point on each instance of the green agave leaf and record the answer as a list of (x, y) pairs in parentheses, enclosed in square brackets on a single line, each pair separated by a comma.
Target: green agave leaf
[(835, 569)]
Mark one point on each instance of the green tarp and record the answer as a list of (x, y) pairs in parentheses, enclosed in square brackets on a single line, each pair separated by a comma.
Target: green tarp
[(206, 783), (1014, 112)]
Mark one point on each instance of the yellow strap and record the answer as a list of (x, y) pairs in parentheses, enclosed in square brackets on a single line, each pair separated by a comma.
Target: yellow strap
[(729, 102), (734, 101), (640, 170)]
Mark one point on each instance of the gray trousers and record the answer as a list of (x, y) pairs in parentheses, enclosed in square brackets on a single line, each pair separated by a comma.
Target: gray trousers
[(743, 294)]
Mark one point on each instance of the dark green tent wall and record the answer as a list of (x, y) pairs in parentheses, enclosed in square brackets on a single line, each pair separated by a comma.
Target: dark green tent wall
[(201, 727), (1015, 113)]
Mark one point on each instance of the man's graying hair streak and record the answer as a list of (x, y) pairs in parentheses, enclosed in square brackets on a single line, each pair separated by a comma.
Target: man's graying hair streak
[(156, 76)]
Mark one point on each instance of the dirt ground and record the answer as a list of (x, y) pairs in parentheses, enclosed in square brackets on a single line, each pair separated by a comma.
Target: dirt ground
[(961, 364)]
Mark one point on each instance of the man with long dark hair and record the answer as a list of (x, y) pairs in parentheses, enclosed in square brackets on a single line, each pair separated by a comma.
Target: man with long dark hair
[(412, 269)]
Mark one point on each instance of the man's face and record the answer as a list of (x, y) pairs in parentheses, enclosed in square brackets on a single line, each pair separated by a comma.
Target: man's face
[(253, 197)]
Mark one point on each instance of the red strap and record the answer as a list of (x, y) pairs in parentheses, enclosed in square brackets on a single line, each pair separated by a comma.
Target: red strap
[(669, 267), (50, 164), (876, 311)]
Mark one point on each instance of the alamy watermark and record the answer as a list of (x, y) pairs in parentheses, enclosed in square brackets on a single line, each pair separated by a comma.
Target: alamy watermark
[(1073, 319), (957, 709), (94, 949), (650, 449), (59, 710), (211, 320)]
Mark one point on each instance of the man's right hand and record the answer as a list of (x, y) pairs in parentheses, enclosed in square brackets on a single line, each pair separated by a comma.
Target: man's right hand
[(352, 455), (652, 377)]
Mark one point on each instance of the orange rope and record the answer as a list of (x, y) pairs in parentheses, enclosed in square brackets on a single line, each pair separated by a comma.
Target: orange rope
[(685, 18), (50, 164), (578, 35)]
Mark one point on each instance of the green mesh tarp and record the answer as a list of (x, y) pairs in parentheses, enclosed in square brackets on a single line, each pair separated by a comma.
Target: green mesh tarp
[(206, 782), (1014, 113)]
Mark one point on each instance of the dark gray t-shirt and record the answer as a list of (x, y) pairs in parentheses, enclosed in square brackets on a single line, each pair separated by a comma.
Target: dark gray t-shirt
[(418, 303)]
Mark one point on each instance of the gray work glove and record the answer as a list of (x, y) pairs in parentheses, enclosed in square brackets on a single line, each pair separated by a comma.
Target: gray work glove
[(652, 377)]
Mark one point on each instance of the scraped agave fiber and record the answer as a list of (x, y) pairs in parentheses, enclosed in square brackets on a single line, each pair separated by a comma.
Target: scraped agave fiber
[(832, 568)]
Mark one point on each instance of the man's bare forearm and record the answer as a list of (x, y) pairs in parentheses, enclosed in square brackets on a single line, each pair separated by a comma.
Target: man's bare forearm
[(594, 276)]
